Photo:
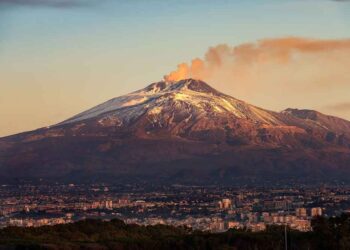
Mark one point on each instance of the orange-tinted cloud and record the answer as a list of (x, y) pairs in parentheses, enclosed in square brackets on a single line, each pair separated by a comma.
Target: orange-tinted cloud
[(224, 59), (277, 73)]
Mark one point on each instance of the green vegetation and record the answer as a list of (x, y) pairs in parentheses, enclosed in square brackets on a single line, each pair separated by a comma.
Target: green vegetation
[(333, 233)]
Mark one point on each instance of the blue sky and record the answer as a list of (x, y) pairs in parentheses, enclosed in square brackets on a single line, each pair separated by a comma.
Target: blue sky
[(59, 60)]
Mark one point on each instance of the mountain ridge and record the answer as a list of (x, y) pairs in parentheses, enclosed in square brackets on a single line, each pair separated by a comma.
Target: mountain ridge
[(181, 131)]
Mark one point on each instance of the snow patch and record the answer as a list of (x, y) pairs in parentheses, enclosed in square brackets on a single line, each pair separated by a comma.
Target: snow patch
[(153, 100), (155, 111)]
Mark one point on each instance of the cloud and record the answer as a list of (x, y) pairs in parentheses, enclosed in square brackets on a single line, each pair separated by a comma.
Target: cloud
[(263, 56), (277, 73), (293, 64), (343, 106), (47, 3)]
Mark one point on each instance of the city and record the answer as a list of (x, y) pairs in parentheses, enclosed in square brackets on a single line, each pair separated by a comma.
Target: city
[(212, 208), (175, 124)]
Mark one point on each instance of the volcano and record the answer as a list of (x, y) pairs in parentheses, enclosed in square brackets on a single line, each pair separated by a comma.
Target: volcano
[(182, 132)]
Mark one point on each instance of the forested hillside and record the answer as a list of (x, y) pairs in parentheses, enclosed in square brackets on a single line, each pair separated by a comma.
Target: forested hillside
[(327, 234)]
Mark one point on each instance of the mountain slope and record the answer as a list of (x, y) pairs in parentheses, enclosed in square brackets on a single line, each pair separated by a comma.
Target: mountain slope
[(331, 123), (197, 95), (181, 131)]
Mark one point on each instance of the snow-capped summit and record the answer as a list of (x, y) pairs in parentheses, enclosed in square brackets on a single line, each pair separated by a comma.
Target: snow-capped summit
[(182, 85), (194, 96), (181, 131)]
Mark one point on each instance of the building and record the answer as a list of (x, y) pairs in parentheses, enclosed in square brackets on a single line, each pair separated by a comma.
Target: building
[(234, 224), (301, 225), (225, 204), (217, 225), (316, 211), (108, 204), (301, 212), (256, 227)]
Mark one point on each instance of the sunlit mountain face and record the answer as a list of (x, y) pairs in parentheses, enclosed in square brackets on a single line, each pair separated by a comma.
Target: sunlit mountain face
[(182, 131)]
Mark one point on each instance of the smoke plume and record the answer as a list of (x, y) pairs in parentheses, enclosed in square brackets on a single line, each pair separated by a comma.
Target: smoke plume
[(275, 66), (245, 58)]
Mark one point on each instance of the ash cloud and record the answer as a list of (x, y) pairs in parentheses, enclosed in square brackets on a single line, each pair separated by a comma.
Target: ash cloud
[(233, 61), (272, 64), (287, 71)]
